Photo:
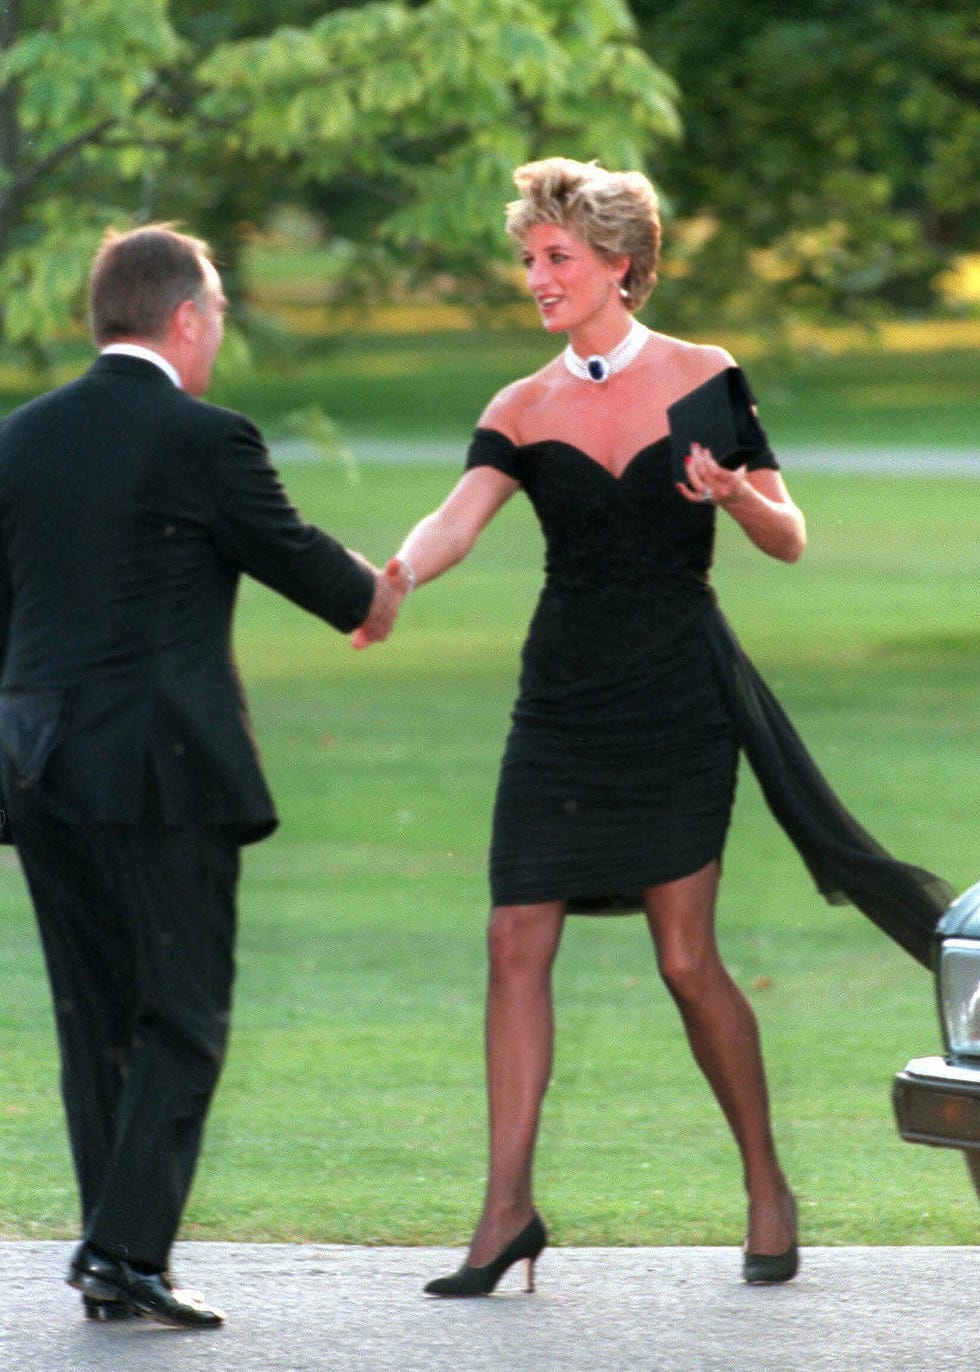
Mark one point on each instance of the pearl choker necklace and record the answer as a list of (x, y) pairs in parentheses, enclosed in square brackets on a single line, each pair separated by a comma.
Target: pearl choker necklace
[(599, 368)]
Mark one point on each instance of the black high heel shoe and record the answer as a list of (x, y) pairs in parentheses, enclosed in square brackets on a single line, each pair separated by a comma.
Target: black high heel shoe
[(765, 1269), (480, 1281)]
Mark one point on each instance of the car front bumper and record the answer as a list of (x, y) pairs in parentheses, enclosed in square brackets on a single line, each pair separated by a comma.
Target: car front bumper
[(938, 1102)]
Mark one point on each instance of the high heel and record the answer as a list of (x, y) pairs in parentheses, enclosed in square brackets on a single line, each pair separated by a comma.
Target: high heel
[(765, 1269), (480, 1281)]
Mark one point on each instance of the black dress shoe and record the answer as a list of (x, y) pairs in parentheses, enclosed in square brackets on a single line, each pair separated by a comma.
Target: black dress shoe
[(151, 1294), (74, 1274), (99, 1305), (106, 1311), (93, 1274)]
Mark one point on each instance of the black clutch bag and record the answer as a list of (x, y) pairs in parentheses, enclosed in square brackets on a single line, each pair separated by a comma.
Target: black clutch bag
[(718, 414)]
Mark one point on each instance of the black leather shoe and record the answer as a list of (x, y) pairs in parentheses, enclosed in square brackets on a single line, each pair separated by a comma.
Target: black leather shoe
[(92, 1274), (105, 1312), (151, 1294), (74, 1274)]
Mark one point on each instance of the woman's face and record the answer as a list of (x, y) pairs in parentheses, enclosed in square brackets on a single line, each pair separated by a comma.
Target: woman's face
[(569, 281)]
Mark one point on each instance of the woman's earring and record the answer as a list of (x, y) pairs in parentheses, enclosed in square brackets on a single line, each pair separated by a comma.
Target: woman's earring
[(624, 293)]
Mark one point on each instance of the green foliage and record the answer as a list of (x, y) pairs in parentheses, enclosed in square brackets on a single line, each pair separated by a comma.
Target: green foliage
[(81, 131), (831, 160), (434, 386), (441, 102), (127, 110)]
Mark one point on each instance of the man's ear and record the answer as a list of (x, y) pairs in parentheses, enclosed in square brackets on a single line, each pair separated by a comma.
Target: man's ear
[(186, 321)]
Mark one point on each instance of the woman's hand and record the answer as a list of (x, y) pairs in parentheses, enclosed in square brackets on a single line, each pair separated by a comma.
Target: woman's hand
[(707, 480), (758, 501)]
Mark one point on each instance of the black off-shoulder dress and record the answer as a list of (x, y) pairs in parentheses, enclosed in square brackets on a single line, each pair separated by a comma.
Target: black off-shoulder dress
[(635, 699)]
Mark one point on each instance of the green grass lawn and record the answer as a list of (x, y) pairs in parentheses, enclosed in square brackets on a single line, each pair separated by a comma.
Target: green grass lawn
[(352, 1105), (436, 385)]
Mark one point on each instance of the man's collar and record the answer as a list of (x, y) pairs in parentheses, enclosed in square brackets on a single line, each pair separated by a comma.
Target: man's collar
[(147, 354)]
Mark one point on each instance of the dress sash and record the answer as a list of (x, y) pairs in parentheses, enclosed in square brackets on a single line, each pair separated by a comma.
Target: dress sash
[(846, 863)]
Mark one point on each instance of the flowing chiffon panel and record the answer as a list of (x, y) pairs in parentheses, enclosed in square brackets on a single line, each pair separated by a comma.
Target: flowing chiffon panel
[(846, 863)]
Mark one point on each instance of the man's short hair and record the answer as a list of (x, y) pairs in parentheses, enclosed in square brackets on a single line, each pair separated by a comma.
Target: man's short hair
[(139, 278)]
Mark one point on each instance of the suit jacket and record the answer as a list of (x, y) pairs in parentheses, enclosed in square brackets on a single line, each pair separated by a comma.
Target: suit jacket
[(128, 511)]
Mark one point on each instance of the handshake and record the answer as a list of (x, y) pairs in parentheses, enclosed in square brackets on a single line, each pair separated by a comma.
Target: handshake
[(391, 586)]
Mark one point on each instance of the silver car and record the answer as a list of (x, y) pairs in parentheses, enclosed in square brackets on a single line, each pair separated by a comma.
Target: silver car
[(937, 1099)]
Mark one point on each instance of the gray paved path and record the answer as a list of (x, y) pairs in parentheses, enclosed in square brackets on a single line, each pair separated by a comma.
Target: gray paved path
[(898, 462), (322, 1309)]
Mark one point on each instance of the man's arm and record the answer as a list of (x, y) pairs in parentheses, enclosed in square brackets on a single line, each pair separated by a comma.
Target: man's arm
[(6, 832), (257, 527)]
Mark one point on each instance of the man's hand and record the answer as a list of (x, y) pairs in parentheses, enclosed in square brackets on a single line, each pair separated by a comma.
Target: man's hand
[(390, 588)]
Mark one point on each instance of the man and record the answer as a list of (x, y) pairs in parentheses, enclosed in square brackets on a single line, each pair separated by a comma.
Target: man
[(128, 510)]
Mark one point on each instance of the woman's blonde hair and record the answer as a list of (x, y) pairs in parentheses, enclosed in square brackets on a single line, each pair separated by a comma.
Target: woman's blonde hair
[(616, 213)]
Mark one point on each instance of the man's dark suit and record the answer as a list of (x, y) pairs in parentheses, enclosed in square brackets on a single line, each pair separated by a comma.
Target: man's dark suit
[(128, 510)]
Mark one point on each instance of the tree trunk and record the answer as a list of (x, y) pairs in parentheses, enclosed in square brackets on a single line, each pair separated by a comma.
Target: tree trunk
[(9, 126)]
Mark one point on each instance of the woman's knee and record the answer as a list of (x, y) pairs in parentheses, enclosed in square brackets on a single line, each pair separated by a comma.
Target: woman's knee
[(522, 939), (681, 916), (691, 973)]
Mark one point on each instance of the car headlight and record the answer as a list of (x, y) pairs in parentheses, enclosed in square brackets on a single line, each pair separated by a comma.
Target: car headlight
[(958, 975)]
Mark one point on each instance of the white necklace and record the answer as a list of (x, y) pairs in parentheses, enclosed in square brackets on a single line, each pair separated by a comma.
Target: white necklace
[(599, 368)]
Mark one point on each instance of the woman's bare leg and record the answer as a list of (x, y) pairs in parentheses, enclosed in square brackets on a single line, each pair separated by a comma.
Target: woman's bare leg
[(522, 943), (724, 1038)]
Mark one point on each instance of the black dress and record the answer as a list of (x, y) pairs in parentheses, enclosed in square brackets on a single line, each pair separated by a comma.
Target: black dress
[(620, 766)]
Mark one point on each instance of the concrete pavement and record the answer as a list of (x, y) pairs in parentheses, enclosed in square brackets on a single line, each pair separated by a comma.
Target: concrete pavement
[(299, 1308), (893, 462)]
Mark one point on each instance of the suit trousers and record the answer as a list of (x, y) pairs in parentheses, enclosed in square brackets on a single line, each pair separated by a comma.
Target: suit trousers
[(138, 930)]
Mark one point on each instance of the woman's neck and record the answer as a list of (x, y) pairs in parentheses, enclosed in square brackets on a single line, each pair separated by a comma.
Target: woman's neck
[(600, 335), (599, 366)]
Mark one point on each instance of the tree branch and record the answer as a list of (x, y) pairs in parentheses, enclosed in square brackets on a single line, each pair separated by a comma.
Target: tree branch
[(9, 124), (24, 179)]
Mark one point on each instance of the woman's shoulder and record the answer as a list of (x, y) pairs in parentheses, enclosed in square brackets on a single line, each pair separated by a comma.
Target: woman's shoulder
[(508, 409), (696, 362)]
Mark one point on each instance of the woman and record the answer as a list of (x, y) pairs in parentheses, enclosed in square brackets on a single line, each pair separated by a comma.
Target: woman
[(619, 772)]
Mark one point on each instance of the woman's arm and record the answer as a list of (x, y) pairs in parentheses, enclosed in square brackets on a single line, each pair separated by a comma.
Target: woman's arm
[(444, 537), (758, 501), (762, 506)]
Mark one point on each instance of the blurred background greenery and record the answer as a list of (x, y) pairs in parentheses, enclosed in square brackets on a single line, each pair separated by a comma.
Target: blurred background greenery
[(818, 165), (818, 160)]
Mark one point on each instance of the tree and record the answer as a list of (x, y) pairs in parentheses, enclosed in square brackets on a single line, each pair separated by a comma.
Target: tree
[(831, 158), (126, 110)]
